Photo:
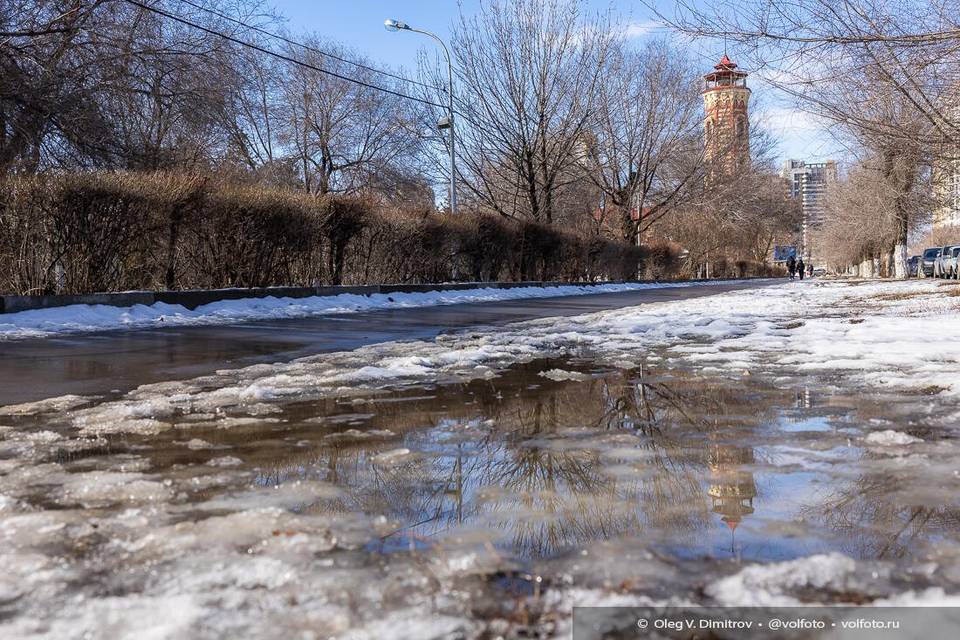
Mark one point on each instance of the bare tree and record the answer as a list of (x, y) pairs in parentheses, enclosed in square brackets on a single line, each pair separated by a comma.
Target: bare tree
[(730, 217), (735, 221), (109, 84), (45, 80), (529, 74), (167, 84), (342, 132), (866, 211), (252, 117), (647, 117)]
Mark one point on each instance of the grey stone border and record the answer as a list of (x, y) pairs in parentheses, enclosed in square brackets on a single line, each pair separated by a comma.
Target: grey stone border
[(191, 299)]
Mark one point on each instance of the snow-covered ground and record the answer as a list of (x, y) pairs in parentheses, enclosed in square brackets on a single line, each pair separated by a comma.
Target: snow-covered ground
[(101, 535), (85, 317)]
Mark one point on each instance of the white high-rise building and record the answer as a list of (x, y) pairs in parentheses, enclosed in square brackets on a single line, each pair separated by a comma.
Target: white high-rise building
[(808, 181), (946, 181)]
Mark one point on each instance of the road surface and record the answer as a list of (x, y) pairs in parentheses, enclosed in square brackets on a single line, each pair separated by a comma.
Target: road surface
[(117, 361)]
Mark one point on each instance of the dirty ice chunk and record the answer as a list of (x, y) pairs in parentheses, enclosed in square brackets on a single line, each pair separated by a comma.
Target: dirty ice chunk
[(559, 375), (890, 438)]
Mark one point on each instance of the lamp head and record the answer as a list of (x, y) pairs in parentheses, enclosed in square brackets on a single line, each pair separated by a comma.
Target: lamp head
[(394, 25)]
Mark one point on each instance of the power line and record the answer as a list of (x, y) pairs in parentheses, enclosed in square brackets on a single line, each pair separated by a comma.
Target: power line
[(290, 41), (279, 56), (291, 60)]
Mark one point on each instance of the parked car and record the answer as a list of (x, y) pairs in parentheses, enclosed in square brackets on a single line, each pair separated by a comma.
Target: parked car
[(912, 265), (938, 263), (929, 260), (819, 271), (941, 267), (948, 262)]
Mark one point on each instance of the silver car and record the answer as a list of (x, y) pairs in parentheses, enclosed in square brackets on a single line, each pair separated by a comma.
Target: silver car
[(948, 262), (941, 264)]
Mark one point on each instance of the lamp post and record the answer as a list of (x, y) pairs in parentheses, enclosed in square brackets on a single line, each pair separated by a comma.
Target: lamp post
[(445, 123)]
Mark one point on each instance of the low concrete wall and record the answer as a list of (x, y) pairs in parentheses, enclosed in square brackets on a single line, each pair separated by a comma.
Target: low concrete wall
[(191, 299), (11, 304)]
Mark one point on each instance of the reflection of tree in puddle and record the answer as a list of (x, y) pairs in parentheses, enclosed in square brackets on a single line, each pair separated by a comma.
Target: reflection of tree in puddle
[(877, 521), (549, 496), (538, 468), (886, 511)]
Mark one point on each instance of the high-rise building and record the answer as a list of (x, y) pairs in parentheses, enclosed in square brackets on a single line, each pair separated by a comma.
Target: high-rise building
[(946, 190), (808, 182), (726, 125)]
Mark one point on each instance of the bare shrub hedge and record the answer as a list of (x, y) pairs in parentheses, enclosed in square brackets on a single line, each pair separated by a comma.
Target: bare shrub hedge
[(90, 232)]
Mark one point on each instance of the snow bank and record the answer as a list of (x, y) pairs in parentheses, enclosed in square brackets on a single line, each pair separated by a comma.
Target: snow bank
[(774, 584), (84, 317)]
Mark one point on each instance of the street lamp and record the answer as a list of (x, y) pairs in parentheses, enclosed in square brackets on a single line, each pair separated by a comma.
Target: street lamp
[(444, 123)]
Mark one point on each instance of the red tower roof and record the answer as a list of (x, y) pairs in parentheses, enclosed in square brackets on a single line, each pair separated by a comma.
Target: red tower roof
[(725, 63), (725, 71)]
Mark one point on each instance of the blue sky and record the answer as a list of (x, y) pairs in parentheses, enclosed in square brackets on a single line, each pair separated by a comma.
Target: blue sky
[(358, 24)]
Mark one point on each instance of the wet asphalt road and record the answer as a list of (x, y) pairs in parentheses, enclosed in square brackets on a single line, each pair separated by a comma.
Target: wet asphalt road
[(117, 361)]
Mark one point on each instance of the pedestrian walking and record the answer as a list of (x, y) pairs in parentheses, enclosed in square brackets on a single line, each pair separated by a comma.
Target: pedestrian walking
[(810, 270), (792, 266), (801, 269)]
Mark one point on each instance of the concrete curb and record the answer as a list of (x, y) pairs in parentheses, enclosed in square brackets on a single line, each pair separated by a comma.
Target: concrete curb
[(12, 304), (191, 299)]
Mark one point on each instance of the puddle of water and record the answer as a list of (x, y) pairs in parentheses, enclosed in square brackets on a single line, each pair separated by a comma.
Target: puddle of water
[(507, 478)]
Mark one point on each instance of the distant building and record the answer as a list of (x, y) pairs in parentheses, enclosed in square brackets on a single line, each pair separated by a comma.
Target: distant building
[(946, 189), (726, 126), (808, 182)]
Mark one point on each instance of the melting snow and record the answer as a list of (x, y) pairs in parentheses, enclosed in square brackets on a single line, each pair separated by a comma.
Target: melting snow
[(741, 336), (773, 584), (83, 317)]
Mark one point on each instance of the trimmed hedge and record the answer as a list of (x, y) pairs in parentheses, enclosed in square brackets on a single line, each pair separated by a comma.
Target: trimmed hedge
[(100, 232)]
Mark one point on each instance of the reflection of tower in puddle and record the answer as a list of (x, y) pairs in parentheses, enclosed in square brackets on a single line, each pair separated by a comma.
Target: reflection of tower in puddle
[(804, 399), (732, 489)]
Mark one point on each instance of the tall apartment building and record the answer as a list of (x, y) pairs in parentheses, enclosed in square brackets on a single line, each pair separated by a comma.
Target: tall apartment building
[(946, 189), (808, 182)]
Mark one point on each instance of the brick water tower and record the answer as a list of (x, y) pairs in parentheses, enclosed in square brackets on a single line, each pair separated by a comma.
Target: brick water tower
[(726, 126)]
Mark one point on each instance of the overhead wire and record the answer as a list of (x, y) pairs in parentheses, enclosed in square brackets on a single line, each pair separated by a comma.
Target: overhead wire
[(311, 48), (280, 56)]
